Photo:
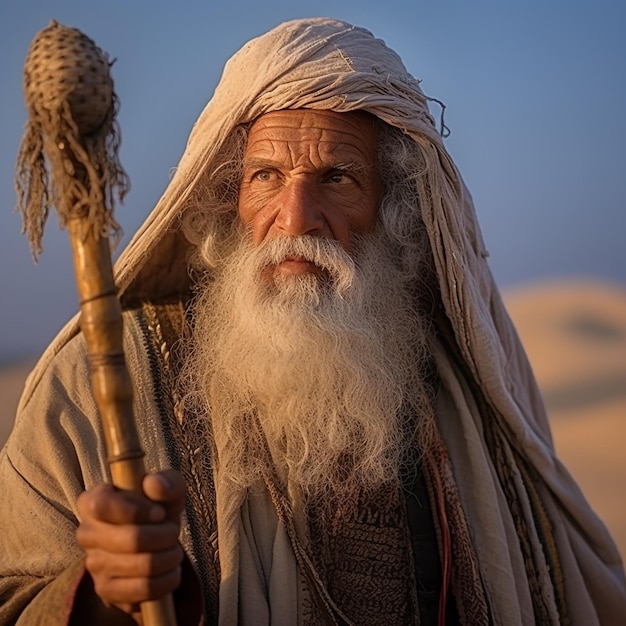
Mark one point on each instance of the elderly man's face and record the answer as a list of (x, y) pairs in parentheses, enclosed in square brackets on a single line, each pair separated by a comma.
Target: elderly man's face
[(310, 173)]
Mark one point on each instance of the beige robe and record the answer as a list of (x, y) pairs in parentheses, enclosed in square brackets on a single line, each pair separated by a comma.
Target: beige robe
[(325, 64)]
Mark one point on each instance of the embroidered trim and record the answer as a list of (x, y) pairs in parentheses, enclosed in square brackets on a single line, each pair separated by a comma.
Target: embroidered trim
[(190, 449)]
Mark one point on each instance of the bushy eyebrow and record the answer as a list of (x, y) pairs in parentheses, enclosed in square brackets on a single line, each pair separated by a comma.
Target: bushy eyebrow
[(351, 167), (257, 163)]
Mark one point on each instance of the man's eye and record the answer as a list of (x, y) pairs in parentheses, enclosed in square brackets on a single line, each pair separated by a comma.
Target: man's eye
[(337, 177), (263, 176)]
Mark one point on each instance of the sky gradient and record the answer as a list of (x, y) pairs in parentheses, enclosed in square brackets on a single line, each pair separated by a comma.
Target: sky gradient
[(535, 96)]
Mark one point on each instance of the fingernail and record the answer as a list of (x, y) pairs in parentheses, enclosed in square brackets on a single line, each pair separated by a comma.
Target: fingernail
[(164, 482)]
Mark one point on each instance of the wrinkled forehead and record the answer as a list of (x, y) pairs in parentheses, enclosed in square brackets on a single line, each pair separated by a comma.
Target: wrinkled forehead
[(321, 131), (349, 121)]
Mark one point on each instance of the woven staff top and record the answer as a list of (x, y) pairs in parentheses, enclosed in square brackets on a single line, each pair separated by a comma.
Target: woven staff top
[(68, 157)]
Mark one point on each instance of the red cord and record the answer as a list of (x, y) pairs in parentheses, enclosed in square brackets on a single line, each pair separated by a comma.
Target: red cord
[(445, 556)]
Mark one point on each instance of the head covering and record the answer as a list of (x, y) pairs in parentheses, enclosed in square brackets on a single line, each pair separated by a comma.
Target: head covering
[(331, 65)]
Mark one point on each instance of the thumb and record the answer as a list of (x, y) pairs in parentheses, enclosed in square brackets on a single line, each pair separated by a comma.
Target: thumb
[(168, 488)]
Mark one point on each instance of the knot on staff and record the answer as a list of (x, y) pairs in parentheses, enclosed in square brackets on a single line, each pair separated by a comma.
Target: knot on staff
[(69, 154)]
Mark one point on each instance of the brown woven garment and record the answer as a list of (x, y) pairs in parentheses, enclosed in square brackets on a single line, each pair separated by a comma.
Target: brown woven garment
[(365, 558), (358, 566), (360, 562)]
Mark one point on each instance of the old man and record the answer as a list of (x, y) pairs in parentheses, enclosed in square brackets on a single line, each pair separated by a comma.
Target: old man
[(341, 425)]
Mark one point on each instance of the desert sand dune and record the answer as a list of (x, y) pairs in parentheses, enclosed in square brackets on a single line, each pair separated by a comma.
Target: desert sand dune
[(575, 335)]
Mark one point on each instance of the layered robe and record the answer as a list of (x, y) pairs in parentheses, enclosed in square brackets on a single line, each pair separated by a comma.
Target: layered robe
[(523, 535)]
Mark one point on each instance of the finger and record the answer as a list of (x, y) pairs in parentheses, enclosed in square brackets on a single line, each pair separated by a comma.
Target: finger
[(142, 565), (124, 591), (105, 503), (168, 488), (127, 538)]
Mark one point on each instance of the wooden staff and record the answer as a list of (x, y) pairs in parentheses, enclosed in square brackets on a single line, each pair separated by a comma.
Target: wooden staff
[(69, 158)]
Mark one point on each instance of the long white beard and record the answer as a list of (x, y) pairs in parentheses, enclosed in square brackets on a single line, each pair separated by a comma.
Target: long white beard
[(319, 371)]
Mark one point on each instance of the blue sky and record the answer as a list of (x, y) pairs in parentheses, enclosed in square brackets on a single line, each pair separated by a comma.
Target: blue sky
[(535, 95)]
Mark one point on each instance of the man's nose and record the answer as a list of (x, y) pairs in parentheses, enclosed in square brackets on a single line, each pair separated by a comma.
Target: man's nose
[(300, 210)]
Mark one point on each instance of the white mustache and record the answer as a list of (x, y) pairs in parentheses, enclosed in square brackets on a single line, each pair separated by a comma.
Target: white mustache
[(327, 254)]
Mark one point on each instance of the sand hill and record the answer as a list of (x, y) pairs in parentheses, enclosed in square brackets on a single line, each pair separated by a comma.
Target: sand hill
[(575, 335)]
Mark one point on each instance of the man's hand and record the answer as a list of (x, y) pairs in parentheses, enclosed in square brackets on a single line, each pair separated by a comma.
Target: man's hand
[(131, 541)]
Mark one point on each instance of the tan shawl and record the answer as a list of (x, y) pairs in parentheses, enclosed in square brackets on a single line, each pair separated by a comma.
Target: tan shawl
[(326, 64)]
